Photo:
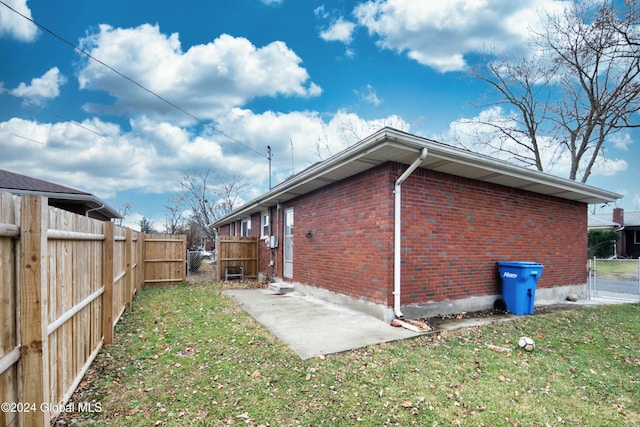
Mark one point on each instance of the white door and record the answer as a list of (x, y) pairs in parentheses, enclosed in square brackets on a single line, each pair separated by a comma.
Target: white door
[(288, 243)]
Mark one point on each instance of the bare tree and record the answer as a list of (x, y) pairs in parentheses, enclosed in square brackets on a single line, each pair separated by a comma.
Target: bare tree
[(124, 210), (209, 200), (580, 89), (175, 222), (524, 85), (228, 196)]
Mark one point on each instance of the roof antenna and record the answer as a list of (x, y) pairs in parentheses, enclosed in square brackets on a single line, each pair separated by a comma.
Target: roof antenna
[(269, 158), (293, 169)]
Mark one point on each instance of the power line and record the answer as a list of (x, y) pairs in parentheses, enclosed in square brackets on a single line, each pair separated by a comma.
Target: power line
[(160, 97), (28, 139), (52, 113)]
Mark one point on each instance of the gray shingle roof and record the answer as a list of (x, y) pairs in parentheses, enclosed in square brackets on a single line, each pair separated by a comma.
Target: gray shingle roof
[(16, 183), (601, 222), (631, 219)]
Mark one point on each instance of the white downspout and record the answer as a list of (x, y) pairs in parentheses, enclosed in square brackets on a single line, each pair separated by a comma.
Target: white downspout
[(93, 209), (397, 230)]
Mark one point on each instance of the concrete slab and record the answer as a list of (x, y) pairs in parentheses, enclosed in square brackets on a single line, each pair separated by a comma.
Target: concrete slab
[(312, 327)]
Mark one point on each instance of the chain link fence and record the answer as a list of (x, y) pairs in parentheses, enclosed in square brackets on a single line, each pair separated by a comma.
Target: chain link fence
[(200, 266), (614, 278)]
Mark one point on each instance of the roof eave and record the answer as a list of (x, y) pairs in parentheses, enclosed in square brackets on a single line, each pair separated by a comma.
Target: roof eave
[(90, 200), (487, 168)]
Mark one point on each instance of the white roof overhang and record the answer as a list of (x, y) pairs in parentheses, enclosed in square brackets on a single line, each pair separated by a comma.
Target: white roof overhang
[(393, 145)]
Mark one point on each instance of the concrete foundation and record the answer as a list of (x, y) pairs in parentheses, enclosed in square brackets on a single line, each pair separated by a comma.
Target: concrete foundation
[(544, 296)]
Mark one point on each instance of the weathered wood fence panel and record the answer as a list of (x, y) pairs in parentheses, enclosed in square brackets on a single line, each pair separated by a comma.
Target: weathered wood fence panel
[(65, 281), (165, 259), (9, 345), (235, 251), (74, 333)]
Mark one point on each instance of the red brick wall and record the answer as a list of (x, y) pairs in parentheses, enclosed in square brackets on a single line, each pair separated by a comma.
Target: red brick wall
[(351, 245), (456, 229), (263, 250), (225, 230)]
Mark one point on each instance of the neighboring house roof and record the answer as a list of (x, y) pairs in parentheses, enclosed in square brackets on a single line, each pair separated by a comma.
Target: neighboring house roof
[(21, 184), (393, 145), (632, 219), (601, 222)]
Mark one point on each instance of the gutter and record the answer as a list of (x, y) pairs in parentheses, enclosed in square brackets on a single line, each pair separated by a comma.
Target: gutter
[(77, 197), (397, 229)]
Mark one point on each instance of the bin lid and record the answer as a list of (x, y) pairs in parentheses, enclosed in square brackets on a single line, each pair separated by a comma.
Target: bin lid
[(519, 264)]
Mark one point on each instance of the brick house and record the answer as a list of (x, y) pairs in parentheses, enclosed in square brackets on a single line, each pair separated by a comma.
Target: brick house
[(627, 224), (400, 225), (59, 196)]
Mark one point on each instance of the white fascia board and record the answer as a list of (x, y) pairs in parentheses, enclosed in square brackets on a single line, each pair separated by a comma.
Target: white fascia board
[(405, 141)]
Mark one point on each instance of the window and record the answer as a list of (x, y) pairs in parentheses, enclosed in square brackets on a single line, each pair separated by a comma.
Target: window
[(245, 227), (636, 237), (264, 224)]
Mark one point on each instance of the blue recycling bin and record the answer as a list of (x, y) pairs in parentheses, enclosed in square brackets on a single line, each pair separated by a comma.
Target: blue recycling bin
[(519, 279)]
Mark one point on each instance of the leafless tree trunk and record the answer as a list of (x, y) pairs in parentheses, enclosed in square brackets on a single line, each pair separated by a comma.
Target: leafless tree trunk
[(208, 200), (124, 210), (523, 85), (175, 222), (581, 88)]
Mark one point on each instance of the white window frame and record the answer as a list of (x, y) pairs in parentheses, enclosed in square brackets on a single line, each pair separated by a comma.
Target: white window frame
[(265, 228), (245, 227)]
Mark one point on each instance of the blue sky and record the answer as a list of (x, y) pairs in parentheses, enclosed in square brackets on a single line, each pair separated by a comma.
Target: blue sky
[(308, 78)]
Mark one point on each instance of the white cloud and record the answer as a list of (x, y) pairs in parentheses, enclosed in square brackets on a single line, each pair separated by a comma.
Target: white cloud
[(440, 34), (14, 25), (369, 95), (41, 88), (480, 134), (151, 157), (340, 30), (204, 80), (609, 167), (321, 12), (621, 141)]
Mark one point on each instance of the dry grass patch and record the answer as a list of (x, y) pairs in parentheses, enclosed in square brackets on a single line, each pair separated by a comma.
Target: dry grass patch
[(188, 355)]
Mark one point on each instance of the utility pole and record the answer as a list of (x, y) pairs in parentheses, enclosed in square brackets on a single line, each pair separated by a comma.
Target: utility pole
[(293, 169), (269, 157)]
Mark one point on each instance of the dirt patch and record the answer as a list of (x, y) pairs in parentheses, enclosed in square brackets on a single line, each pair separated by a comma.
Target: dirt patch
[(493, 314), (207, 279)]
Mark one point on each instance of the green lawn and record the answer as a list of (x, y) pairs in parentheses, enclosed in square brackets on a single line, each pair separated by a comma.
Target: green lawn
[(188, 355), (617, 266)]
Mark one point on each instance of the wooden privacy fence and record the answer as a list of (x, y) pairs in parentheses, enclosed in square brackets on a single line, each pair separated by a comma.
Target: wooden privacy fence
[(66, 280), (235, 252), (165, 258)]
